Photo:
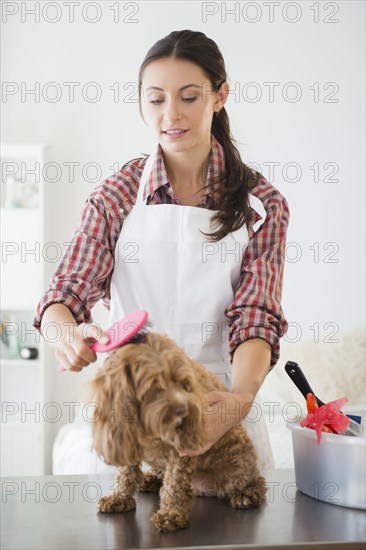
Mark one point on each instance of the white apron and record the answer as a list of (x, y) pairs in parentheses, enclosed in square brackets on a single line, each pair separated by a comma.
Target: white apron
[(166, 266)]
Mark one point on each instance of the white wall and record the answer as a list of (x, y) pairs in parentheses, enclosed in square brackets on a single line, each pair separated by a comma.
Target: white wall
[(312, 54)]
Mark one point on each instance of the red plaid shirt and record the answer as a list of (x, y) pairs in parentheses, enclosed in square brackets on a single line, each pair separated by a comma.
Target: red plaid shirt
[(84, 273)]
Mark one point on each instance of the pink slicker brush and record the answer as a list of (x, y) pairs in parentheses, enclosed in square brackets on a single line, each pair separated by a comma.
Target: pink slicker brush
[(122, 332)]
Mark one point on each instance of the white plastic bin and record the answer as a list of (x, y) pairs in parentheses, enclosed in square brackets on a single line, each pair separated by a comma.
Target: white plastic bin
[(334, 470)]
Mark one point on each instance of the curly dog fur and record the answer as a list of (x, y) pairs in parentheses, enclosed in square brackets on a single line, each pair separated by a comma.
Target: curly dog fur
[(150, 398)]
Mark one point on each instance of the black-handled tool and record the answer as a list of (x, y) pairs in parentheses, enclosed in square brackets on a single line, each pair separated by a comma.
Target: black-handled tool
[(300, 381)]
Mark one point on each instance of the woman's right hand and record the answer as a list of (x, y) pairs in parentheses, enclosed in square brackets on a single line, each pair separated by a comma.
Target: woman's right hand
[(73, 350)]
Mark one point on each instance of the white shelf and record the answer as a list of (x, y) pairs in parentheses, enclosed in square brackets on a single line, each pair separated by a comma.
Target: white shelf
[(25, 447), (14, 363), (6, 209), (28, 440), (27, 150)]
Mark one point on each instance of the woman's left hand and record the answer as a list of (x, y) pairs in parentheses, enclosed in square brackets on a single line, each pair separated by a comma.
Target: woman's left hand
[(221, 411)]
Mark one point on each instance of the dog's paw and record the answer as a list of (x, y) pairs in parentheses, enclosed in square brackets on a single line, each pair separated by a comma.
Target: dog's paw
[(150, 483), (170, 522), (253, 495), (112, 503), (241, 501)]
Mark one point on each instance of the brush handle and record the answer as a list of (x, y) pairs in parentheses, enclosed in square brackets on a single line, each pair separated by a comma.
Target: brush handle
[(61, 368), (300, 380), (128, 329)]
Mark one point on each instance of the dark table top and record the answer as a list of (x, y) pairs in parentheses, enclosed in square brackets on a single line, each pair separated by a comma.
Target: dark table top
[(59, 512)]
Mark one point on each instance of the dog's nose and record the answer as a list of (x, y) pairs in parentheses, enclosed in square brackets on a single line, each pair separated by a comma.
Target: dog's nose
[(178, 410)]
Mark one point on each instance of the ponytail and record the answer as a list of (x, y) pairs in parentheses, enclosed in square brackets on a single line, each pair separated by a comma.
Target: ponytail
[(234, 184)]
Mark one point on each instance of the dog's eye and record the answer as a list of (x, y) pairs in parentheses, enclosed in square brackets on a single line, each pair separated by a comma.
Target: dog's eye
[(186, 385)]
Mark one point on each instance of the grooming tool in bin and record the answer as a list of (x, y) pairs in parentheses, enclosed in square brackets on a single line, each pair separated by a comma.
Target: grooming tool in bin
[(301, 382), (127, 330), (334, 470)]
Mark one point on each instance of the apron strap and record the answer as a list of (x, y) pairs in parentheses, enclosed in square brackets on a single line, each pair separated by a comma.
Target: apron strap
[(144, 178)]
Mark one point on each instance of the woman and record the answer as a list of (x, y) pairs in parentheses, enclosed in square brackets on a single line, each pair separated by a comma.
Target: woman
[(190, 234)]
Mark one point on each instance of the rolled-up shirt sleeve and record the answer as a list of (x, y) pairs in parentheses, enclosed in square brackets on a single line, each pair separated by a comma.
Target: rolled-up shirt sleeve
[(256, 311), (81, 277), (85, 270)]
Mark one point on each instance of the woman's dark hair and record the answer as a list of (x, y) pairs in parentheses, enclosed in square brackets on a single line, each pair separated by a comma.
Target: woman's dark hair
[(234, 184)]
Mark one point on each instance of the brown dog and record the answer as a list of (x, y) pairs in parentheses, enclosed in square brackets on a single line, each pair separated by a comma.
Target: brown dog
[(150, 400)]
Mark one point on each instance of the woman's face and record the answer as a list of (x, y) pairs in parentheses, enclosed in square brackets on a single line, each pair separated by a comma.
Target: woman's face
[(176, 95)]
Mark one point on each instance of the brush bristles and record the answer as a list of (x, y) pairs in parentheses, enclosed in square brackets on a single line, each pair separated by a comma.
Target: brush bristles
[(142, 332), (148, 326)]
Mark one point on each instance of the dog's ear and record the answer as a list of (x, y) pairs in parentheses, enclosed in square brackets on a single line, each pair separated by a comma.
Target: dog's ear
[(116, 427)]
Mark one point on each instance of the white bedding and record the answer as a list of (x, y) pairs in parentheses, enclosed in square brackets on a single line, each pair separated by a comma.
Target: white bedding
[(72, 453)]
